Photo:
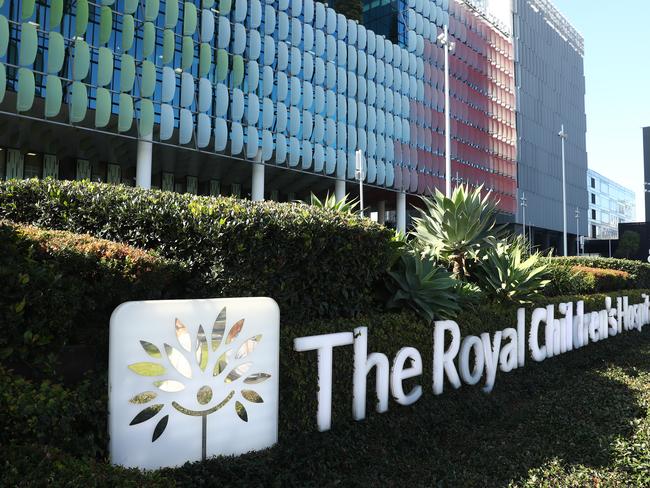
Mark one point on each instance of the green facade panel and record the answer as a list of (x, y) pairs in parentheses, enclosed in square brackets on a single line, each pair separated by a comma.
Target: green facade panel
[(79, 102), (55, 52), (81, 17), (27, 9), (125, 113), (128, 31), (105, 24), (151, 9), (187, 53), (148, 39), (171, 13), (56, 13), (53, 96), (4, 35), (189, 19), (148, 84), (28, 44), (103, 108), (81, 60), (127, 73), (168, 46), (26, 87), (104, 66), (145, 127)]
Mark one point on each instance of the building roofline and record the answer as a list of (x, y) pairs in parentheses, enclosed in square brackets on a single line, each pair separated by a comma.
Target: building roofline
[(560, 23)]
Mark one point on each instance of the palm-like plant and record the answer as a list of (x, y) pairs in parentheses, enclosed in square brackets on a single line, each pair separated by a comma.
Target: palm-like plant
[(509, 273), (330, 202), (422, 285), (457, 229)]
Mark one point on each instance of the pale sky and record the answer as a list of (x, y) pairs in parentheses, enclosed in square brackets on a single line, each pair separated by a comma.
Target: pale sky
[(617, 73)]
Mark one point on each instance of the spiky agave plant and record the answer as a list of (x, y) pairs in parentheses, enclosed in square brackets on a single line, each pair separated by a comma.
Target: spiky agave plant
[(456, 230), (509, 273), (422, 285), (345, 205)]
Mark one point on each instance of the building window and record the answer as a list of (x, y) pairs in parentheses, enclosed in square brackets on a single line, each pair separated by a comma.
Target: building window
[(215, 188), (593, 214), (593, 231), (593, 198), (114, 174), (168, 182), (593, 182)]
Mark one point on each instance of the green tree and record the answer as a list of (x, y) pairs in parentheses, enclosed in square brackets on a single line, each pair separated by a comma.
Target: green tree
[(352, 9), (628, 244)]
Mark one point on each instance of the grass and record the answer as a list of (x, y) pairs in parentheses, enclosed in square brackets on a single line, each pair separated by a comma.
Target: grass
[(581, 419)]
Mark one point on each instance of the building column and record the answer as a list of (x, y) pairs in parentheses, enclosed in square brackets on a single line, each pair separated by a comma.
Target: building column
[(381, 212), (143, 164), (257, 192), (339, 190), (401, 212)]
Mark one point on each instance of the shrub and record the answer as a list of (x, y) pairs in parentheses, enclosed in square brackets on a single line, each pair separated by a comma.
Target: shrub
[(58, 289), (424, 286), (564, 280), (639, 271), (455, 230), (508, 273), (604, 279), (313, 262)]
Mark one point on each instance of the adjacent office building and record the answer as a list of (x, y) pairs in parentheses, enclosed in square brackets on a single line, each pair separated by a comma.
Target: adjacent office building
[(609, 205), (272, 99), (550, 94)]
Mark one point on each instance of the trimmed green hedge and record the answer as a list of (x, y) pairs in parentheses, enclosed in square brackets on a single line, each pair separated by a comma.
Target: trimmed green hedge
[(313, 262), (58, 289), (639, 271), (56, 432)]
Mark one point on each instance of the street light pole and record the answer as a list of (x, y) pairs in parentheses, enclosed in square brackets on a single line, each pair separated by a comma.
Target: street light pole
[(443, 39), (577, 231), (523, 209), (359, 175), (563, 136)]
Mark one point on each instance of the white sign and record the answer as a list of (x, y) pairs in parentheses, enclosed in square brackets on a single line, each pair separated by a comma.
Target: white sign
[(470, 359), (190, 379)]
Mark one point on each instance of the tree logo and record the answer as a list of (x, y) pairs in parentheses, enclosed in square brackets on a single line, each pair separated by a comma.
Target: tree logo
[(216, 373)]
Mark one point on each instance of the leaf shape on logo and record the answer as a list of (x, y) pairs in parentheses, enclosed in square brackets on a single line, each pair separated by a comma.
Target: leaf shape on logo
[(179, 362), (248, 346), (201, 349), (160, 428), (236, 373), (222, 363), (241, 411), (234, 332), (144, 397), (204, 395), (151, 349), (183, 336), (257, 378), (146, 414), (252, 396), (147, 369), (170, 386), (218, 329)]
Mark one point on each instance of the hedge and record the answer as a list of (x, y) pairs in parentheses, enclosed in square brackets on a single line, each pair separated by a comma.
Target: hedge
[(314, 262), (638, 270), (55, 430), (575, 408)]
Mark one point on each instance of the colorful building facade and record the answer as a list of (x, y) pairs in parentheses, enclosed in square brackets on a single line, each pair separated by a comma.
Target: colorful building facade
[(205, 92)]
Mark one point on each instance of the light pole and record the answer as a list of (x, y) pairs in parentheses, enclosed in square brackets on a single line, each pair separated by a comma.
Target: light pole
[(359, 176), (563, 136), (577, 214), (443, 40), (523, 210)]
